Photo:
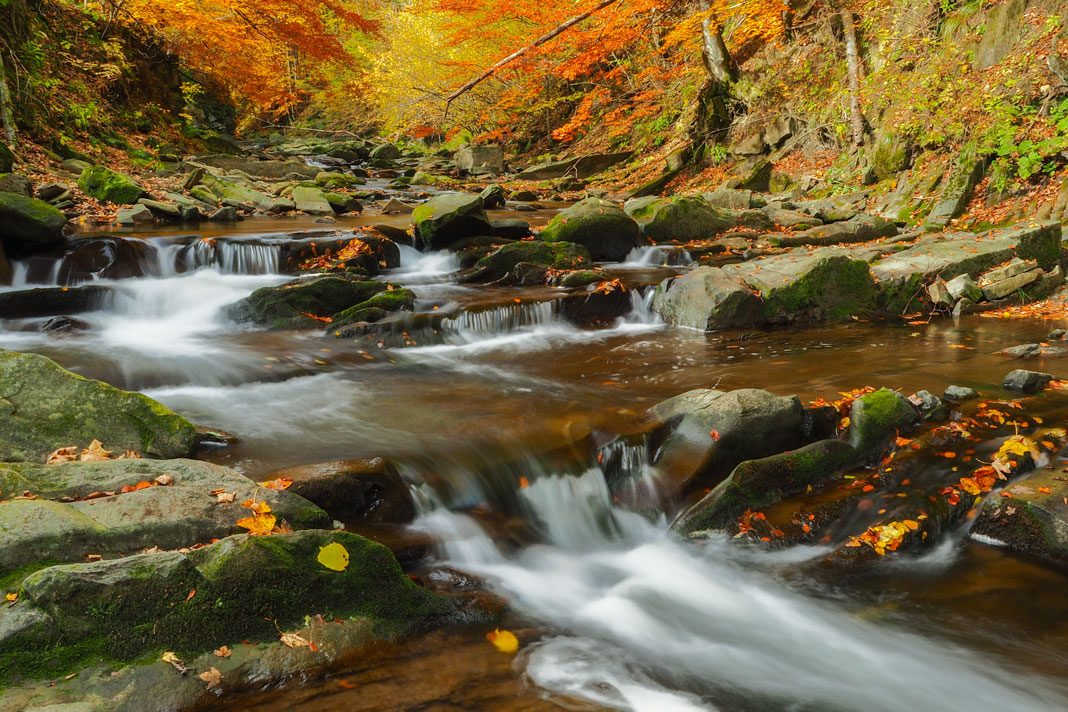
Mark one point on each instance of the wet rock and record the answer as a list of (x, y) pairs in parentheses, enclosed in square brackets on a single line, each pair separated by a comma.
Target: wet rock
[(581, 278), (137, 215), (374, 308), (1026, 381), (385, 152), (343, 204), (225, 215), (862, 228), (448, 218), (877, 419), (335, 181), (708, 432), (28, 226), (493, 197), (757, 484), (397, 234), (581, 167), (959, 394), (963, 286), (472, 249), (501, 262), (708, 299), (527, 274), (930, 406), (303, 304), (110, 187), (46, 407), (603, 228), (480, 160), (64, 324), (1032, 351), (524, 196), (1033, 521), (511, 229), (680, 219), (596, 306), (52, 301), (369, 491)]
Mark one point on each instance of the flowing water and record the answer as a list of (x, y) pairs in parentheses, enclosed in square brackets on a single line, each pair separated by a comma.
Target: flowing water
[(507, 420)]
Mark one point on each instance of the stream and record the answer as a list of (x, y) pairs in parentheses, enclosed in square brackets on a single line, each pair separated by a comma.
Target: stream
[(483, 418)]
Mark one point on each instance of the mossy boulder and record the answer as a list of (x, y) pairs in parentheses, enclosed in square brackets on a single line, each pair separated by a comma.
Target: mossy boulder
[(758, 484), (557, 255), (376, 308), (354, 490), (343, 204), (708, 299), (334, 181), (44, 407), (304, 303), (241, 588), (236, 193), (681, 219), (28, 225), (385, 152), (311, 200), (111, 187), (877, 419), (603, 228), (449, 218), (1034, 521), (582, 278)]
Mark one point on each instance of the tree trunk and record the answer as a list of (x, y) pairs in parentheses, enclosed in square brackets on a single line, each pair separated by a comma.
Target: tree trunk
[(7, 114), (713, 116), (857, 121)]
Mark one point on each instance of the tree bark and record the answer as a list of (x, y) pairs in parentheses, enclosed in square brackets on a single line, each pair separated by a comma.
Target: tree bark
[(857, 120), (7, 114), (556, 31), (713, 114)]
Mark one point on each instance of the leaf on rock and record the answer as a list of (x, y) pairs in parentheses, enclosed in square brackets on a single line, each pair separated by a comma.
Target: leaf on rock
[(503, 640), (212, 676), (282, 483), (223, 652), (293, 640), (334, 556)]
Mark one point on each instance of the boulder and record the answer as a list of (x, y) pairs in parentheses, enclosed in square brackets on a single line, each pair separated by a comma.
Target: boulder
[(709, 432), (236, 194), (28, 225), (311, 201), (110, 187), (959, 394), (708, 299), (758, 484), (557, 255), (730, 199), (385, 152), (1034, 521), (790, 219), (1027, 382), (448, 218), (171, 212), (511, 229), (493, 197), (680, 219), (46, 407), (581, 167), (603, 228), (305, 303), (343, 204), (862, 228), (137, 215), (364, 491), (374, 309), (18, 184), (334, 181), (595, 306), (876, 420), (52, 301), (480, 160)]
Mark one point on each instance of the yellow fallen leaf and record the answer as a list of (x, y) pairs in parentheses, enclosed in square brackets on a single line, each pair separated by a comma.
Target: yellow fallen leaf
[(504, 640), (11, 597), (258, 525), (94, 453), (175, 661), (223, 652), (63, 454), (334, 557), (211, 676)]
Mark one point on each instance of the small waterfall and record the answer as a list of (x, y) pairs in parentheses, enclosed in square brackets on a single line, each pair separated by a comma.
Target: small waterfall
[(657, 256), (625, 463), (642, 307), (224, 256), (500, 320)]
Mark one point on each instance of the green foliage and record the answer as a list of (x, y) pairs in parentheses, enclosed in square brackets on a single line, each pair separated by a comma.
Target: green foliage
[(1018, 156)]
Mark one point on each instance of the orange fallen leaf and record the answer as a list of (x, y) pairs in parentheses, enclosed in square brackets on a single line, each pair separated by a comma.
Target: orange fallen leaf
[(211, 676), (1045, 490), (504, 640), (282, 483), (223, 652)]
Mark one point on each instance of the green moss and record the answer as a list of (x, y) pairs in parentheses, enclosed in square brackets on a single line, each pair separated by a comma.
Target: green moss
[(293, 305), (558, 255), (897, 296), (109, 186), (835, 289), (876, 419), (377, 306)]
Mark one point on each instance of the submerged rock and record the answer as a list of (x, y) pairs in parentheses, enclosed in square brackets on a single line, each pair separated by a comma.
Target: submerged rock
[(370, 491), (448, 218), (1033, 521), (44, 407), (52, 301), (603, 228), (1026, 381), (28, 225)]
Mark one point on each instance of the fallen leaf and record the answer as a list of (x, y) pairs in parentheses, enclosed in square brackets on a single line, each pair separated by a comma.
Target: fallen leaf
[(190, 596), (63, 454), (334, 556), (212, 676), (282, 483), (223, 652), (504, 640), (164, 480), (1045, 490), (11, 597), (175, 661), (293, 640)]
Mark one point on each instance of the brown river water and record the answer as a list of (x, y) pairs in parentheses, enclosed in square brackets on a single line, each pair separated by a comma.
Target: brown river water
[(611, 611)]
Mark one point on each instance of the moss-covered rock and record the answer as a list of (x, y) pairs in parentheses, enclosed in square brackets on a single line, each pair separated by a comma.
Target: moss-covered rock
[(603, 228), (877, 419), (237, 193), (449, 218), (376, 308), (343, 204), (1034, 521), (681, 219), (241, 588), (111, 187), (757, 484), (28, 225), (581, 278), (708, 299), (354, 490), (44, 407), (557, 255), (305, 303), (333, 181)]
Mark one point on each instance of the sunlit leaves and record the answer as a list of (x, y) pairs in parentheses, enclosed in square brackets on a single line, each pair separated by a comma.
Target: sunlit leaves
[(334, 556)]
